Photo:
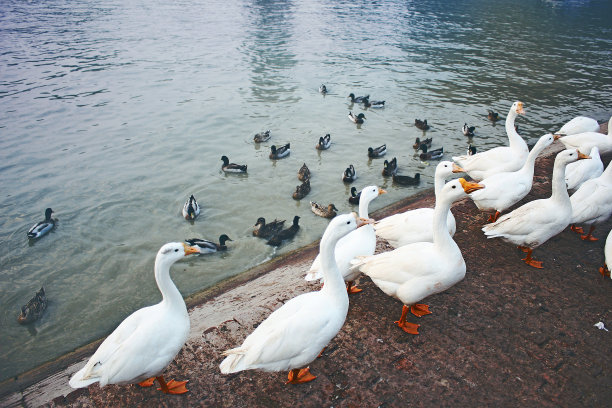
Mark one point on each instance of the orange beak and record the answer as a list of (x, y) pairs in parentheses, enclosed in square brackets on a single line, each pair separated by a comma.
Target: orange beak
[(519, 108), (556, 137), (470, 187), (190, 250), (457, 169), (381, 191), (582, 156)]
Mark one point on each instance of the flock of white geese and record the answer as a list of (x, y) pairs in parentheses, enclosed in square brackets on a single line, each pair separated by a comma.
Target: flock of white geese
[(426, 260)]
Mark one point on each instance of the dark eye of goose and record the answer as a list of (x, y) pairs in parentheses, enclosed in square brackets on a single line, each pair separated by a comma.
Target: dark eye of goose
[(348, 222), (176, 250), (454, 186)]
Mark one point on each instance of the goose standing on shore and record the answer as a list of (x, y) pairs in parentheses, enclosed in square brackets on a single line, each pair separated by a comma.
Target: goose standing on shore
[(586, 140), (579, 172), (141, 347), (605, 270), (503, 158), (592, 203), (413, 272), (417, 225), (505, 189), (359, 242), (294, 335), (534, 223)]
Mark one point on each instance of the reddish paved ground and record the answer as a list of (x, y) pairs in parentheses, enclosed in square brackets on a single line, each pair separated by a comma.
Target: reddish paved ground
[(507, 335)]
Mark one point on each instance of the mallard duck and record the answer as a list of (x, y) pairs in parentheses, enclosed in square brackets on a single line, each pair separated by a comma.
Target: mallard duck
[(373, 104), (586, 140), (304, 173), (147, 340), (302, 190), (421, 124), (503, 158), (323, 89), (42, 227), (349, 175), (492, 116), (532, 224), (468, 130), (206, 247), (285, 234), (262, 137), (354, 198), (359, 242), (471, 150), (191, 209), (358, 99), (389, 167), (326, 212), (579, 124), (605, 270), (407, 180), (379, 151), (592, 203), (294, 335), (34, 309), (324, 142), (418, 142), (416, 225), (357, 119), (435, 154), (263, 230), (280, 152), (232, 167), (413, 272), (505, 189), (583, 170)]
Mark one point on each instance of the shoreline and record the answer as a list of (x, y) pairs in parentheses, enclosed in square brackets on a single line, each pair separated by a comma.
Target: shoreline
[(222, 315)]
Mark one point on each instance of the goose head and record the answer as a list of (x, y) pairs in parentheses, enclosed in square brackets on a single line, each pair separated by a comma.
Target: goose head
[(341, 225), (369, 193), (569, 156), (544, 141), (517, 108), (173, 251), (447, 168)]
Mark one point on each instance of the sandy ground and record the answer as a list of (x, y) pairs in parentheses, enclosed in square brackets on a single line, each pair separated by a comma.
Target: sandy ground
[(508, 334)]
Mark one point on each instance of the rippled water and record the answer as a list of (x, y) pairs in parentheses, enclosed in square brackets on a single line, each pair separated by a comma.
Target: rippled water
[(113, 113)]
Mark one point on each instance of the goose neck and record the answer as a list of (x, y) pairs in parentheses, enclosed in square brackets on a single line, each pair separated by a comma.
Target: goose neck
[(559, 188), (363, 207), (515, 139), (170, 294), (334, 282), (441, 236)]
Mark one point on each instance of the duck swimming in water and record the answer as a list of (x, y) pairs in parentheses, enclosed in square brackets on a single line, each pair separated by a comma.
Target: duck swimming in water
[(34, 309), (280, 152), (263, 230), (191, 209), (42, 227), (356, 119), (232, 167), (324, 142), (206, 247)]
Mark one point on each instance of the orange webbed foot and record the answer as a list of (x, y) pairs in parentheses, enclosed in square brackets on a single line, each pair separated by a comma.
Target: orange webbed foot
[(420, 309), (605, 272), (577, 230), (352, 289), (589, 237), (494, 217), (297, 376), (172, 386), (147, 383), (411, 328), (532, 262)]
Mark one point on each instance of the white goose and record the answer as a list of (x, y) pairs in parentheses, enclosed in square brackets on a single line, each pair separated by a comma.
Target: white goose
[(294, 335), (586, 140), (413, 272), (532, 224), (147, 340), (508, 188), (579, 124), (504, 158), (359, 242), (417, 225), (605, 270), (592, 203), (583, 170)]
